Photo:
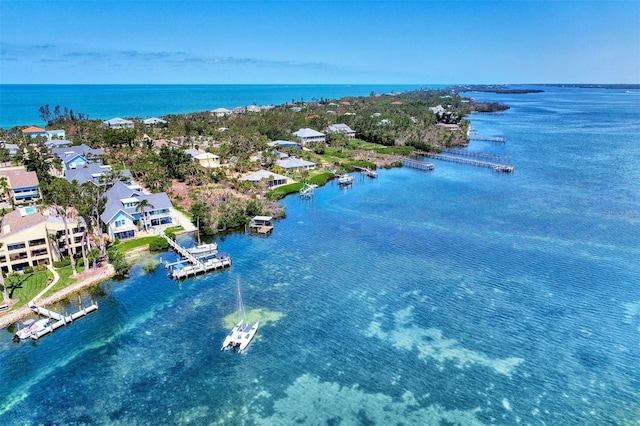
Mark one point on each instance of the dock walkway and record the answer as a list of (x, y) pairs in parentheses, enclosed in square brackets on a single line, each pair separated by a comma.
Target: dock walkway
[(475, 154), (461, 160), (60, 320), (367, 171), (417, 164), (177, 270), (498, 139)]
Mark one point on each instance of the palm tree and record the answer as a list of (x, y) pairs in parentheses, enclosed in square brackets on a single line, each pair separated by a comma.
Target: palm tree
[(93, 196), (5, 188), (142, 204), (85, 243), (65, 219), (5, 294)]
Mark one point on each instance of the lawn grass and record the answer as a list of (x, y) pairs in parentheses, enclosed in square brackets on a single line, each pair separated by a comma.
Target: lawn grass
[(125, 246), (26, 287), (317, 177), (65, 279), (174, 229)]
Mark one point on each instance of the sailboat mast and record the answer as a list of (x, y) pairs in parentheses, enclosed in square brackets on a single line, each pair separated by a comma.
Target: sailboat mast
[(240, 307)]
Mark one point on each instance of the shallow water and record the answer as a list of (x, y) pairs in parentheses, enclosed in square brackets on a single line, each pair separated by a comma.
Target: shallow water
[(459, 295)]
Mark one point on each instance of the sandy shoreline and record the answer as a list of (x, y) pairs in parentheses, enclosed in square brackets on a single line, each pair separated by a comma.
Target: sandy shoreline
[(84, 280)]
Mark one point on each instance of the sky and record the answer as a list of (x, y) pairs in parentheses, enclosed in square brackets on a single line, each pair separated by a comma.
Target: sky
[(319, 42)]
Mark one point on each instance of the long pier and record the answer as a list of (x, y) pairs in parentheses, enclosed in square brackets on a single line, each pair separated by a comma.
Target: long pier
[(498, 139), (474, 154), (61, 320), (461, 160), (417, 164), (367, 171), (178, 270)]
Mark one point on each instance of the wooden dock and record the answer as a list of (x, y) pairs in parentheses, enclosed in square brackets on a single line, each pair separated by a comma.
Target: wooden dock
[(178, 270), (461, 160), (60, 320), (417, 164)]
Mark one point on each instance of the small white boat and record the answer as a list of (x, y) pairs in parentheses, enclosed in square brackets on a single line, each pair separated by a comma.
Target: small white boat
[(241, 335), (203, 250), (25, 331), (30, 326), (40, 325), (345, 179)]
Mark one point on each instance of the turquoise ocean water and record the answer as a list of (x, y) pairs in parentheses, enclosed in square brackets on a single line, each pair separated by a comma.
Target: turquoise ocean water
[(19, 103), (458, 296)]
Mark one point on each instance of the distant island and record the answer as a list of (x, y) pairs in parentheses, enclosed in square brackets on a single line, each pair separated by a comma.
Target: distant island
[(598, 86), (507, 89), (495, 89)]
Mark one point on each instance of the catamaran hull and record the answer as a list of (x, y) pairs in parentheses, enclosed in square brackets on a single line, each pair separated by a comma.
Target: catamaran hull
[(240, 336)]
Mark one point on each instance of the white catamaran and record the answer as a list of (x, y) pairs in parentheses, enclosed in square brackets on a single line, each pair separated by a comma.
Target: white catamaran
[(240, 336)]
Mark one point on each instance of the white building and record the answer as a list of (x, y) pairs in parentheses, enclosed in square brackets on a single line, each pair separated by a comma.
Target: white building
[(342, 128), (309, 136)]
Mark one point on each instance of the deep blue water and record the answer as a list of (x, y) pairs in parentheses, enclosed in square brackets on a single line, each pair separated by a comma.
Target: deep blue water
[(19, 103), (458, 296)]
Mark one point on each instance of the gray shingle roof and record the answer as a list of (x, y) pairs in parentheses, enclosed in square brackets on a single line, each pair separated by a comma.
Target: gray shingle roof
[(120, 191)]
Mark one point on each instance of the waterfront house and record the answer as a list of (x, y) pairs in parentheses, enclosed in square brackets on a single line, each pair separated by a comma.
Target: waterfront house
[(284, 144), (343, 129), (221, 112), (77, 156), (123, 218), (272, 179), (23, 186), (253, 108), (25, 238), (57, 143), (239, 110), (56, 134), (93, 172), (118, 123), (205, 159), (309, 136), (154, 120), (292, 164), (34, 131)]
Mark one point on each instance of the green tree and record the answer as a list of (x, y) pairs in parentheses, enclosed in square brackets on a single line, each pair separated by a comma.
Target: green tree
[(142, 205), (37, 162), (4, 156), (5, 188), (201, 213), (5, 294), (61, 196)]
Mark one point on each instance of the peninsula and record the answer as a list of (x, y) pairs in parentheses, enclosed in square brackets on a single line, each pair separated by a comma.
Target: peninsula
[(112, 185)]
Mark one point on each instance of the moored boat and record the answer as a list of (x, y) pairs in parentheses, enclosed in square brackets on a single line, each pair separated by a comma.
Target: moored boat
[(243, 332), (30, 327), (203, 250), (345, 179)]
